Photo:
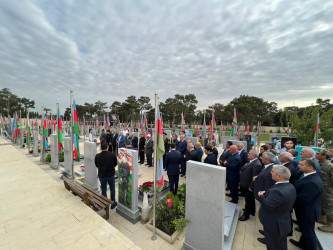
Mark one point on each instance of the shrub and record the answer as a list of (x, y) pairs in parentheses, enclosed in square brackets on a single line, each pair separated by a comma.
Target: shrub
[(48, 158)]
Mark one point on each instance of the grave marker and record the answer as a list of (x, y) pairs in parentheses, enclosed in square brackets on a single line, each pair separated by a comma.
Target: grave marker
[(54, 152), (90, 176)]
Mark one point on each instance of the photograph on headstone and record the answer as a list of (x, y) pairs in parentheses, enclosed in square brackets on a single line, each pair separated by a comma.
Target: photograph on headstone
[(125, 178), (288, 143)]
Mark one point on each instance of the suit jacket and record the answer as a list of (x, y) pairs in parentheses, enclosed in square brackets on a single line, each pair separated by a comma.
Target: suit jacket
[(224, 156), (248, 171), (172, 161), (200, 152), (263, 182), (308, 201), (149, 146), (215, 152), (233, 166), (193, 156), (135, 142), (166, 145), (244, 157), (142, 142), (181, 148), (122, 140), (114, 139), (299, 173), (211, 159), (291, 167), (276, 204)]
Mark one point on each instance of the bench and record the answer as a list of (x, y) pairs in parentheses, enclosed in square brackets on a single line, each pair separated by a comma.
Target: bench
[(90, 197)]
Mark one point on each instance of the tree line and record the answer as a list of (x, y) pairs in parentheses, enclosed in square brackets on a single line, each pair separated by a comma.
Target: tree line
[(251, 109)]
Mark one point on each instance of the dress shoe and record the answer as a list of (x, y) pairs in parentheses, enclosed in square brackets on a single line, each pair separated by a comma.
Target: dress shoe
[(297, 229), (262, 232), (262, 240), (296, 243), (114, 205), (229, 195), (295, 221), (290, 234), (182, 175), (243, 218)]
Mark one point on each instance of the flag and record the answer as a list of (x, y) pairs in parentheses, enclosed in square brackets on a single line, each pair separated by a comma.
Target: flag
[(183, 123), (28, 131), (232, 129), (10, 125), (197, 131), (142, 124), (17, 128), (45, 144), (107, 122), (235, 123), (160, 152), (104, 121), (317, 132), (258, 132), (247, 128), (60, 141), (204, 126), (76, 135), (146, 128), (214, 123)]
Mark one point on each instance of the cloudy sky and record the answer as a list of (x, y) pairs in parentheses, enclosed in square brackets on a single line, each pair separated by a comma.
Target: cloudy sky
[(279, 50)]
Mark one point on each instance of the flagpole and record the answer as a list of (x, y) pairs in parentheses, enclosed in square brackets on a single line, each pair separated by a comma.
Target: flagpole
[(317, 130), (212, 132), (28, 131), (72, 134), (155, 166), (204, 140), (20, 128), (57, 127)]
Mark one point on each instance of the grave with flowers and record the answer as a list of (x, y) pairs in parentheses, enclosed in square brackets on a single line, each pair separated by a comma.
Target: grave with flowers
[(148, 187)]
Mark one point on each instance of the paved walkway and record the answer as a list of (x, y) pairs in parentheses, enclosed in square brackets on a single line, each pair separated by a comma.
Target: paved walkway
[(37, 212)]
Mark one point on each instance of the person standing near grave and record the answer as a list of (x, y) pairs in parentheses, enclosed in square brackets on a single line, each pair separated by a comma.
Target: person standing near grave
[(91, 139), (108, 139), (326, 176), (173, 160), (174, 140), (149, 150), (247, 172), (242, 153), (276, 204), (233, 165), (310, 154), (210, 158), (121, 140), (182, 145), (134, 141), (166, 147), (106, 162), (199, 149), (193, 154), (214, 150), (102, 137), (114, 141), (309, 189), (226, 153), (142, 143), (331, 154), (286, 160)]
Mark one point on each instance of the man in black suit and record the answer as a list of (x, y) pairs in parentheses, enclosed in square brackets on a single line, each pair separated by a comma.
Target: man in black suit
[(149, 148), (134, 140), (114, 140), (242, 153), (198, 148), (263, 181), (182, 145), (286, 159), (309, 189), (274, 212), (193, 154), (214, 150), (226, 153), (174, 140), (210, 158), (172, 161), (247, 172), (142, 143), (233, 166), (166, 147)]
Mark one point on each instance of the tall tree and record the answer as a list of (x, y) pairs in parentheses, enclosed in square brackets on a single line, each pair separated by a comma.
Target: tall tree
[(100, 106)]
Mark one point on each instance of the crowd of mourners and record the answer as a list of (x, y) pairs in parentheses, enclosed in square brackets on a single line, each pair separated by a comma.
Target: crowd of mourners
[(282, 184)]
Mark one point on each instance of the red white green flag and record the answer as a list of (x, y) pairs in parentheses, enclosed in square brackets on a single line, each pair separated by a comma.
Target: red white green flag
[(247, 128), (160, 152), (60, 140), (17, 128), (28, 131), (76, 135), (183, 123), (317, 132), (45, 144)]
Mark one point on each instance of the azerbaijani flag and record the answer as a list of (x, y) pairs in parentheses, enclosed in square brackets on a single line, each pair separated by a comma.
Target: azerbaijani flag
[(107, 122), (45, 144), (142, 124), (317, 132), (76, 135), (183, 123), (204, 125), (235, 122), (146, 128), (232, 129), (17, 128), (60, 140), (247, 128), (28, 131), (160, 152), (104, 123), (10, 125)]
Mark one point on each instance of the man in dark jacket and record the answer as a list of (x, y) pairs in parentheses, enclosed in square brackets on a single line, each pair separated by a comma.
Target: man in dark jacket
[(233, 166), (114, 140), (210, 158), (173, 160), (134, 140), (142, 143), (214, 150), (182, 149), (149, 147), (226, 153), (197, 147), (106, 162), (193, 154), (247, 172), (286, 159), (166, 147), (276, 204), (309, 189)]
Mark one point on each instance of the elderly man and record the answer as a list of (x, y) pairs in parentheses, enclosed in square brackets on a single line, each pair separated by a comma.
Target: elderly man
[(286, 160), (276, 204), (134, 140), (242, 153), (247, 172), (212, 143), (309, 189), (181, 148), (149, 150), (326, 176), (233, 165), (263, 181), (210, 158), (198, 148), (121, 140), (308, 154)]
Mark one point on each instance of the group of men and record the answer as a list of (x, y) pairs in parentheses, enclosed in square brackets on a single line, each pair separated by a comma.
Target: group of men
[(282, 185)]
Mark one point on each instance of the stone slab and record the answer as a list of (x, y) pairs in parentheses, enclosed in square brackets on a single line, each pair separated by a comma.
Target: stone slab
[(90, 169), (35, 144), (325, 240), (54, 152), (205, 206), (129, 215), (68, 154), (79, 172), (228, 240)]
